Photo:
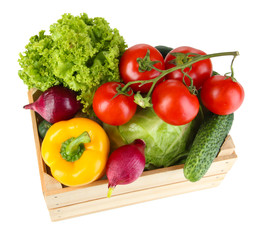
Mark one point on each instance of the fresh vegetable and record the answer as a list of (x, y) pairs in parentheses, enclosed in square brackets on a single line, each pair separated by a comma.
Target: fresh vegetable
[(80, 53), (76, 151), (56, 104), (125, 164), (164, 50), (222, 95), (137, 63), (165, 143), (113, 108), (173, 102), (206, 145), (199, 71), (43, 127), (182, 62)]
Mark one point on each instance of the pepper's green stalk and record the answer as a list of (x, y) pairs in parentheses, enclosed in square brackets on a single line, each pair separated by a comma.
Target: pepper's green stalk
[(73, 148)]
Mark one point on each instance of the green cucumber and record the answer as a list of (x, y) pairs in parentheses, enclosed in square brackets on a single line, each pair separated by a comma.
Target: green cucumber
[(43, 127), (164, 50), (206, 145)]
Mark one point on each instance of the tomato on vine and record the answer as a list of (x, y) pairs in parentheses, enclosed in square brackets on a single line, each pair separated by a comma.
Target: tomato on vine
[(222, 95), (199, 71), (112, 106), (173, 102), (141, 62)]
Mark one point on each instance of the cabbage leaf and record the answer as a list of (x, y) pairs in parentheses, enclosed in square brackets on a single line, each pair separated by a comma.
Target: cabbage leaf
[(165, 143)]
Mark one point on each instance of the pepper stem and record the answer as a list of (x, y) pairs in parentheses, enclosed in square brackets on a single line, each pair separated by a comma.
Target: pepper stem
[(73, 148)]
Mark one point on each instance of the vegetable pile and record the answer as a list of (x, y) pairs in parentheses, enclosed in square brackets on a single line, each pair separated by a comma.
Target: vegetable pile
[(80, 53), (143, 107), (165, 144)]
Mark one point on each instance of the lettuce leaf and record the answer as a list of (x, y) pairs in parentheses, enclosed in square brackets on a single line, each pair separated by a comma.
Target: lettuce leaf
[(80, 53)]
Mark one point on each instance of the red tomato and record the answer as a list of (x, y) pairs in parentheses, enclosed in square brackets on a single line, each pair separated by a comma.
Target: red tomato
[(200, 71), (173, 102), (128, 66), (114, 111), (222, 96)]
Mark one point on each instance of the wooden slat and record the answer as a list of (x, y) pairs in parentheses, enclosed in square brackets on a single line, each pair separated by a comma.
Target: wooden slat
[(149, 179), (227, 148), (66, 202), (48, 183), (42, 168), (51, 183), (133, 198)]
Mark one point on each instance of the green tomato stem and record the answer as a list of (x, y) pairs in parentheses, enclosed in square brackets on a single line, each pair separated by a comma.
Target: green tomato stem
[(232, 69), (183, 66)]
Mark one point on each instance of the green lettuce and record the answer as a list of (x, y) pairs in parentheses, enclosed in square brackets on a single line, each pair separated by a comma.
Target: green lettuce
[(166, 144), (80, 53)]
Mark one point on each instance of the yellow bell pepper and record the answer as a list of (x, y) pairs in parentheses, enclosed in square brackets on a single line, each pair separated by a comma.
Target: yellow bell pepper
[(76, 151)]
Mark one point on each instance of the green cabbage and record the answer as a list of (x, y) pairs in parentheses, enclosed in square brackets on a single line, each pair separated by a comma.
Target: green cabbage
[(80, 53), (165, 144)]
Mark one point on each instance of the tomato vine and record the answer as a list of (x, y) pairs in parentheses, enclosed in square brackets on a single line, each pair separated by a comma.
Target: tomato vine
[(184, 61)]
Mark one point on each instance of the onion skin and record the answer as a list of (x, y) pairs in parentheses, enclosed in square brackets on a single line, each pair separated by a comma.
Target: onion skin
[(56, 104), (125, 164)]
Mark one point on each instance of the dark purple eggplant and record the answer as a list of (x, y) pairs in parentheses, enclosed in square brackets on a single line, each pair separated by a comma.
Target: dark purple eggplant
[(56, 104)]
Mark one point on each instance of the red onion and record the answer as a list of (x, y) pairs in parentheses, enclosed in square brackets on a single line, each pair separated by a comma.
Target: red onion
[(56, 104), (125, 164)]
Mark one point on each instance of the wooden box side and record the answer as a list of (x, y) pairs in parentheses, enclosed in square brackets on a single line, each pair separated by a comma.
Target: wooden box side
[(48, 183), (150, 179), (134, 197), (57, 196)]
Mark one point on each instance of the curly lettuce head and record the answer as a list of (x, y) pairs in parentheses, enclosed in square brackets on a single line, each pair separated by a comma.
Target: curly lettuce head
[(80, 53)]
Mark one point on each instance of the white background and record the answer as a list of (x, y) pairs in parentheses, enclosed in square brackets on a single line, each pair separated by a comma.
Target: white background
[(234, 210)]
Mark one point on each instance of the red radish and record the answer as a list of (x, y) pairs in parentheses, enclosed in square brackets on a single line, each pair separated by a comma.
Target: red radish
[(125, 164), (56, 104)]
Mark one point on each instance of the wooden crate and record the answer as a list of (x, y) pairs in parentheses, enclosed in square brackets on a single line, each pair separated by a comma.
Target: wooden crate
[(66, 202)]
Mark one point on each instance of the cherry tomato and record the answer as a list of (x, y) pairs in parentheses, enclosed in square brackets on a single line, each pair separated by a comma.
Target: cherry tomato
[(129, 67), (113, 110), (173, 102), (199, 72), (222, 95)]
